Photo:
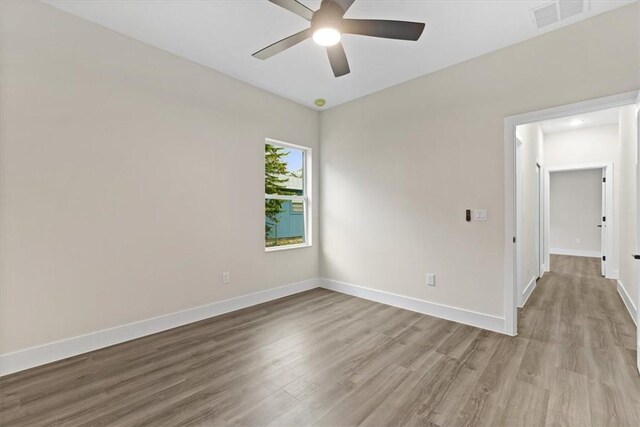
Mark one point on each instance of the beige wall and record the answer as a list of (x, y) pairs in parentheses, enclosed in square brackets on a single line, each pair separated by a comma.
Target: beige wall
[(532, 140), (597, 144), (131, 179), (576, 209), (629, 272), (400, 166)]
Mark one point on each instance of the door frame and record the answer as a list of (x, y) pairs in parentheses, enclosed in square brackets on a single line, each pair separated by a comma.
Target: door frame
[(526, 285), (609, 240), (519, 202), (637, 105), (541, 223), (510, 210)]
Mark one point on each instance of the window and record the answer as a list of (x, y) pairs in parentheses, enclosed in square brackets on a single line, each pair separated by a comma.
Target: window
[(287, 180)]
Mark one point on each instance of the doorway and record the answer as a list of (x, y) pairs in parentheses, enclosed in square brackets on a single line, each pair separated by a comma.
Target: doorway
[(540, 205), (580, 212), (513, 250)]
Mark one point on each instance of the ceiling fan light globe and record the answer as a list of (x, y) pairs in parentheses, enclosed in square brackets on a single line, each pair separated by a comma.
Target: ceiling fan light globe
[(327, 36)]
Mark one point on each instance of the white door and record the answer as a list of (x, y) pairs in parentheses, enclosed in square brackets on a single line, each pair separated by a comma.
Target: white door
[(539, 215), (636, 255), (603, 224), (519, 215)]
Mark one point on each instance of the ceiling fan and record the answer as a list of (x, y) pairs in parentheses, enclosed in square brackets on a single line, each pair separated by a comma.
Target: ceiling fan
[(327, 26)]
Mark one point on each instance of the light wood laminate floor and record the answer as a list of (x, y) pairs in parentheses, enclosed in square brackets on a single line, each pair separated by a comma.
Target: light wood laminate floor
[(323, 358)]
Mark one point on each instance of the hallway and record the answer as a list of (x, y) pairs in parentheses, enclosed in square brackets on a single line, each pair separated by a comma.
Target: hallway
[(580, 347)]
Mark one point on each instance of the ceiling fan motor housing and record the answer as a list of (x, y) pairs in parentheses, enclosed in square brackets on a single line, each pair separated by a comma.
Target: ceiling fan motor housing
[(328, 16)]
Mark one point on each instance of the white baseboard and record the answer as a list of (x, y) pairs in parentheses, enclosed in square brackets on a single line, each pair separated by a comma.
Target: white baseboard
[(480, 320), (528, 290), (575, 252), (58, 350), (628, 302), (613, 275)]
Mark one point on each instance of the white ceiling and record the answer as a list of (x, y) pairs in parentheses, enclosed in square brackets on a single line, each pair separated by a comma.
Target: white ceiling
[(597, 118), (222, 35)]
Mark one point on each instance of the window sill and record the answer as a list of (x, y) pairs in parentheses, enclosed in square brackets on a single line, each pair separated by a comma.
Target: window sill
[(287, 247)]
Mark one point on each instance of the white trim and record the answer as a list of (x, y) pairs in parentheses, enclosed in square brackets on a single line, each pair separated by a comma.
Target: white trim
[(58, 350), (520, 207), (547, 220), (588, 106), (306, 198), (528, 290), (579, 166), (287, 247), (540, 223), (628, 302), (637, 206), (468, 317), (286, 144), (282, 197), (575, 252), (510, 124), (510, 232)]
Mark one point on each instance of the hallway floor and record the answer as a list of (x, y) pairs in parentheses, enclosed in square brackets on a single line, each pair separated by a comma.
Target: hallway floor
[(328, 359), (580, 347)]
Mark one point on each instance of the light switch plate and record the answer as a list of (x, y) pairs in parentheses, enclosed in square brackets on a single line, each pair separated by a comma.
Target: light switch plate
[(431, 279), (479, 214)]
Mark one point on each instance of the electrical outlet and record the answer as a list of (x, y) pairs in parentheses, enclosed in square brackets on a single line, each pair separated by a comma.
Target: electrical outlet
[(431, 279), (226, 278)]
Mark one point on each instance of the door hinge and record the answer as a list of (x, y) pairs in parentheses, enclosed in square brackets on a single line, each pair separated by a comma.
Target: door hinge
[(604, 258), (604, 179), (604, 219), (514, 239)]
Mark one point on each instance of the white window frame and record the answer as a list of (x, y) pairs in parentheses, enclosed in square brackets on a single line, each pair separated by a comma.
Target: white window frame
[(307, 161)]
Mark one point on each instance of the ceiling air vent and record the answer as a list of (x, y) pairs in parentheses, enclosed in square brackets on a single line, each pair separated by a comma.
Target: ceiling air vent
[(556, 11), (546, 15), (569, 8)]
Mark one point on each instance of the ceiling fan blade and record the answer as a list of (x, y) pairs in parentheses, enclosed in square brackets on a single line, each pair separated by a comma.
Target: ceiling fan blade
[(338, 60), (295, 7), (400, 30), (283, 44)]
